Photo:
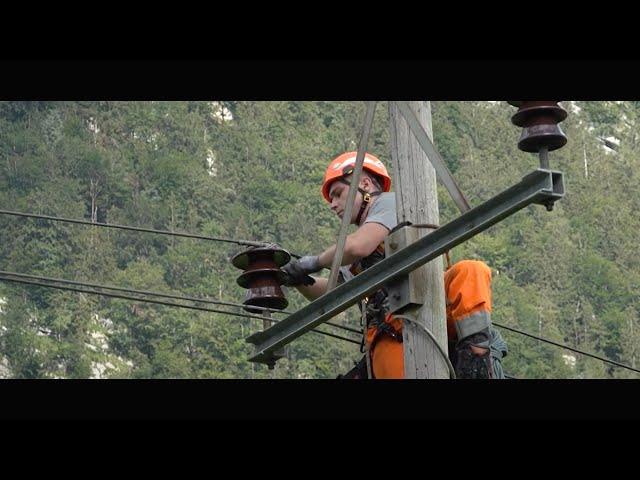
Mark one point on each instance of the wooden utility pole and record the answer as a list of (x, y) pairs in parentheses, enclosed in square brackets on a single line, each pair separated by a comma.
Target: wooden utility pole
[(414, 182)]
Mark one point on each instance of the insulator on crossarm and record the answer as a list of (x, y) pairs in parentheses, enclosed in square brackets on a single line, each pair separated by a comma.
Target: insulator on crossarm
[(262, 277), (539, 120)]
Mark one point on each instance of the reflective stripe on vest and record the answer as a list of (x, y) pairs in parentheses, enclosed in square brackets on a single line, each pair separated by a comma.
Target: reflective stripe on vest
[(472, 324)]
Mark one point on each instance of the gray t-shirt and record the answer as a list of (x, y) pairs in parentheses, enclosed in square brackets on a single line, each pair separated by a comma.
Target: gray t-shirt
[(383, 211)]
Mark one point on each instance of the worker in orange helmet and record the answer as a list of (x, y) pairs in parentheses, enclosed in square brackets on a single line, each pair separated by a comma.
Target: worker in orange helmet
[(467, 283)]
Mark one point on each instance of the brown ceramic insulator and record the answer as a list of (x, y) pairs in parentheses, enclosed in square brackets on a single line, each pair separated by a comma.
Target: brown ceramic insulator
[(539, 120), (249, 257), (269, 296), (262, 277), (535, 137), (537, 112)]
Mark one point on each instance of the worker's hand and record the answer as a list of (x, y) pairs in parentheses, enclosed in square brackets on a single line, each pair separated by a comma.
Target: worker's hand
[(473, 357), (310, 263), (478, 351), (298, 271)]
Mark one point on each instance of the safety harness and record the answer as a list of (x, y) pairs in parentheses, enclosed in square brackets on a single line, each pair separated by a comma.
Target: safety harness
[(376, 307), (374, 310)]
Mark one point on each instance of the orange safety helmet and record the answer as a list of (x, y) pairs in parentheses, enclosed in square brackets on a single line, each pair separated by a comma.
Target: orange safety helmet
[(344, 164)]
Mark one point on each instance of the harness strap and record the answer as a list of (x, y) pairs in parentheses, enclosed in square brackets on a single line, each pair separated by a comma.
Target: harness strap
[(366, 199)]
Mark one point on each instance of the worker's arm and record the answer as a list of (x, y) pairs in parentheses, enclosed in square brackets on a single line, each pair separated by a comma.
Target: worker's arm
[(311, 292), (359, 244)]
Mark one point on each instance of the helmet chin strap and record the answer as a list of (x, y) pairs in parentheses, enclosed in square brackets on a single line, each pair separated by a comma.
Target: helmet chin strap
[(366, 199)]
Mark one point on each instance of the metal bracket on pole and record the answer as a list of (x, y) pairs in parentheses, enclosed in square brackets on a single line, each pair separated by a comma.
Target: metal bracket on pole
[(539, 187), (434, 157), (400, 292)]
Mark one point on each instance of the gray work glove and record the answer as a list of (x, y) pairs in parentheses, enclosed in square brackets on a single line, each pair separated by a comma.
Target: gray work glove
[(298, 270)]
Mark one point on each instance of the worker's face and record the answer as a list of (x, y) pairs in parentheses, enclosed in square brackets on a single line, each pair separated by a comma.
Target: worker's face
[(338, 193)]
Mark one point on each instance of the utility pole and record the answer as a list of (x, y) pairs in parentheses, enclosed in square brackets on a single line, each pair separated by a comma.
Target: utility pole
[(417, 202)]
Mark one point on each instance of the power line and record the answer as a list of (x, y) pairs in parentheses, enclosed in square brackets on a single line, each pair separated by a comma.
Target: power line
[(159, 302), (603, 359), (142, 292), (22, 278), (126, 297), (161, 295), (220, 302), (136, 229), (141, 229)]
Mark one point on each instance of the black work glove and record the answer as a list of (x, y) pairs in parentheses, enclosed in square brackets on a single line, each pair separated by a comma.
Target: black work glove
[(474, 362), (298, 271)]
